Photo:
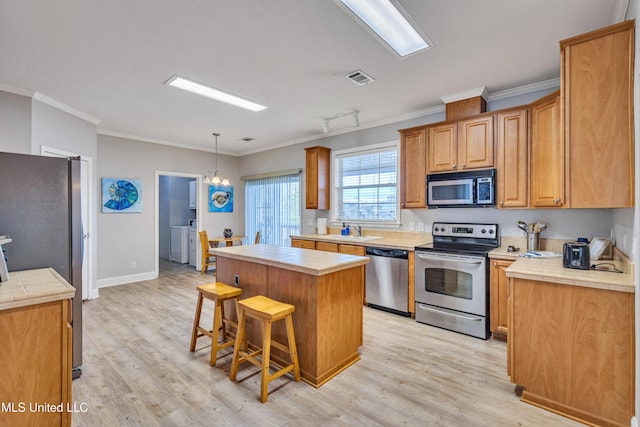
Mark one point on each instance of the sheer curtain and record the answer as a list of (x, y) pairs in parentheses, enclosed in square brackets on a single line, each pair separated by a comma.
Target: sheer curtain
[(272, 207)]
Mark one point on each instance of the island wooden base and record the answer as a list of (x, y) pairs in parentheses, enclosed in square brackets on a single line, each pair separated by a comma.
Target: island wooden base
[(327, 320)]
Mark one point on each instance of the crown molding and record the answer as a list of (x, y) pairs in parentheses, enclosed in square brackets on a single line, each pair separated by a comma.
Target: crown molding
[(16, 90), (38, 96), (470, 93), (523, 90)]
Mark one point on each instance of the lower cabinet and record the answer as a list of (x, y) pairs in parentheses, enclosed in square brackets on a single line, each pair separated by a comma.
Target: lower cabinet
[(498, 298), (36, 363), (571, 350), (305, 244)]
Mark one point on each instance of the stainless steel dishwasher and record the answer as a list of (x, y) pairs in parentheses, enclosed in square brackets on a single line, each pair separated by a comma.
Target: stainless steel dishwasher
[(388, 279)]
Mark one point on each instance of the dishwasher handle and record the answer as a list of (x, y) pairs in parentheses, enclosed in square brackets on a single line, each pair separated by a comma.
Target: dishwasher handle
[(388, 253)]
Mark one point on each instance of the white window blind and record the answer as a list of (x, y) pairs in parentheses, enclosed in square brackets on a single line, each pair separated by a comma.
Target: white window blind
[(366, 184), (272, 207)]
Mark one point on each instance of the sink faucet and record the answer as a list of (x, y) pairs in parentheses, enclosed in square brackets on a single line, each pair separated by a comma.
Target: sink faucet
[(358, 229)]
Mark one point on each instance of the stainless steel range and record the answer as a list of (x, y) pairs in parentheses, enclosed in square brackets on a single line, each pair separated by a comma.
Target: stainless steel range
[(452, 277)]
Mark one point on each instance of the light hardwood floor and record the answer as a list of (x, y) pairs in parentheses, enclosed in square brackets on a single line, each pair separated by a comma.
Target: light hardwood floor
[(138, 371)]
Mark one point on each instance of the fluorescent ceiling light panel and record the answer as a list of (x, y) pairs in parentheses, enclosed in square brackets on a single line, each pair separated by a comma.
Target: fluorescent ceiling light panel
[(199, 89), (389, 22)]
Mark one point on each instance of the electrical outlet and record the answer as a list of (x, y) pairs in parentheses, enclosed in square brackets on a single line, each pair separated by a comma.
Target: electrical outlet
[(421, 226), (133, 265), (237, 280), (412, 226)]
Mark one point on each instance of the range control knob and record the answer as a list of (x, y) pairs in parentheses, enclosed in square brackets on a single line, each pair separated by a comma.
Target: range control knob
[(491, 231), (483, 231)]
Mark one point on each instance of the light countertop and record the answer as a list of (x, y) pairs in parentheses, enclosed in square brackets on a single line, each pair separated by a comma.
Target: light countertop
[(551, 270), (308, 261), (394, 240), (30, 287)]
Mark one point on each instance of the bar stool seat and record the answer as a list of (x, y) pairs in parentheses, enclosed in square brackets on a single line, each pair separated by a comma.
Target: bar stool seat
[(219, 293), (266, 311)]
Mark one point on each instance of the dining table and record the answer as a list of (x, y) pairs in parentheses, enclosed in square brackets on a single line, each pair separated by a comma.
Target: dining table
[(228, 241)]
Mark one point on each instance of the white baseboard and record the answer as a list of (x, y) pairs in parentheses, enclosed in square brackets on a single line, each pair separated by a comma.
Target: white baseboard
[(122, 280)]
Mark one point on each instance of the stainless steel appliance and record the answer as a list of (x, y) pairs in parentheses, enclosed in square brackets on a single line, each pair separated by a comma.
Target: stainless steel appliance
[(461, 189), (4, 272), (388, 279), (40, 210), (576, 255), (452, 277)]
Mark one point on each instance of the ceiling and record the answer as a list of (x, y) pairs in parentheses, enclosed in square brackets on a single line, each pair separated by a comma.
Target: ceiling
[(108, 61)]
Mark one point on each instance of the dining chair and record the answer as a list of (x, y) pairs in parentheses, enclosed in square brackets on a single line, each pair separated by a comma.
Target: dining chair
[(208, 258)]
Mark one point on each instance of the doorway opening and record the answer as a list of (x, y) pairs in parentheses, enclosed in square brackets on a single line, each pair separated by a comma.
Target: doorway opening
[(177, 222)]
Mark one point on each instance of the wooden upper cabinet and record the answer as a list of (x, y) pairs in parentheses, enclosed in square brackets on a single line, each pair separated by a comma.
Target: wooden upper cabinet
[(512, 159), (318, 180), (413, 171), (443, 147), (475, 143), (597, 96), (462, 145), (547, 153)]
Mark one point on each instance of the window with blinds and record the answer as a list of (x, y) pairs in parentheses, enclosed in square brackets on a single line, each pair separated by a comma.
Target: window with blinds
[(272, 207), (366, 184)]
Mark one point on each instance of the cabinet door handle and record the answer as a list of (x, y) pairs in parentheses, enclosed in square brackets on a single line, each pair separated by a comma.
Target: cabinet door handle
[(556, 201), (464, 165), (455, 166), (501, 202)]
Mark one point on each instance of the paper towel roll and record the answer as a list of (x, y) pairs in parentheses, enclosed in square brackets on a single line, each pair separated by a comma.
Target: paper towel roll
[(322, 225)]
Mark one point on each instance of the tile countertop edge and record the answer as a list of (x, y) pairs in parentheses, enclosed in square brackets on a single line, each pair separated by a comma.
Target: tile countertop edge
[(551, 270), (22, 291), (385, 241), (308, 261)]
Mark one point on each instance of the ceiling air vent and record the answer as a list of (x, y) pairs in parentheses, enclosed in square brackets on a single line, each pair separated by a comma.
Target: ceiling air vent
[(248, 139), (360, 78)]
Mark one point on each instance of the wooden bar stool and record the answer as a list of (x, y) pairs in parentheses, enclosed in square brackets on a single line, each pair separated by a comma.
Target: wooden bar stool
[(267, 311), (219, 293)]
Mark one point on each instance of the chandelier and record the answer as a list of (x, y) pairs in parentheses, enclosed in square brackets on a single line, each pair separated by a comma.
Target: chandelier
[(214, 178)]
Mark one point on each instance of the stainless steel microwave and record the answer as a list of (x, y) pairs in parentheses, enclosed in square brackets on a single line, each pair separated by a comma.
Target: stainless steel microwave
[(461, 189)]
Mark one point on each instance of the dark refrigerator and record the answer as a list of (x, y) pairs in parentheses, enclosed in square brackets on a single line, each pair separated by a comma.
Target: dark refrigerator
[(40, 210)]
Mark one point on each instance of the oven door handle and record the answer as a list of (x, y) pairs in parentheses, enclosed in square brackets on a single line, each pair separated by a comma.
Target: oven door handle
[(473, 319), (457, 260)]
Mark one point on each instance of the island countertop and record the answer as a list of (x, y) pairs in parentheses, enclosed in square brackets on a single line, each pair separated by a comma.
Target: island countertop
[(308, 261), (29, 287)]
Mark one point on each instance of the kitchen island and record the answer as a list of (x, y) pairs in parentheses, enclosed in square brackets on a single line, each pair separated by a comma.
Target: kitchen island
[(326, 289)]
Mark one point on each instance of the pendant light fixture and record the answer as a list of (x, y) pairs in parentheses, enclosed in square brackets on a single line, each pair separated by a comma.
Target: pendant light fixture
[(214, 178)]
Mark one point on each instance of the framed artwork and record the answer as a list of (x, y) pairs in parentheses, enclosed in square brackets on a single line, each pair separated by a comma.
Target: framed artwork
[(220, 198), (121, 195)]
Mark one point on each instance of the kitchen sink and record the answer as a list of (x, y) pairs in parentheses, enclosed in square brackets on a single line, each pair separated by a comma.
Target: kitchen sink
[(349, 238)]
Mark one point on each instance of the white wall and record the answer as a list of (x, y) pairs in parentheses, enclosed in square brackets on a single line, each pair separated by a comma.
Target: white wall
[(15, 123), (131, 237)]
